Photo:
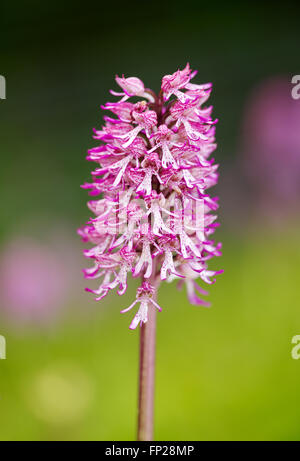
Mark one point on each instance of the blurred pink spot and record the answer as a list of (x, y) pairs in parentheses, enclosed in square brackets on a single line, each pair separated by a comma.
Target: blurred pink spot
[(271, 148), (33, 281)]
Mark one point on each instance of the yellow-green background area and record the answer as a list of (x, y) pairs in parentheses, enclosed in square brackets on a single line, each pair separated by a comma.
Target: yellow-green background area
[(224, 373)]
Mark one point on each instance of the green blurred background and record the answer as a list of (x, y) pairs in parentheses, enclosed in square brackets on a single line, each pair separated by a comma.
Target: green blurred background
[(224, 373)]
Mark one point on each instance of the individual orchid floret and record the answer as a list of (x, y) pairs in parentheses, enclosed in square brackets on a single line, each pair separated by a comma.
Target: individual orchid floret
[(153, 215), (150, 166), (171, 84), (164, 137), (144, 295), (131, 86), (168, 245), (147, 239), (145, 120), (186, 113)]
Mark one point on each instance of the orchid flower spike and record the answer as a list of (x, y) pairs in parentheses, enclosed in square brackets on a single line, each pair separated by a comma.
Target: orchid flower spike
[(153, 216)]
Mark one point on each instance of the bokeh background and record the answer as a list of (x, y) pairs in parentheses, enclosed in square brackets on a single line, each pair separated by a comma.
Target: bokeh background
[(71, 371)]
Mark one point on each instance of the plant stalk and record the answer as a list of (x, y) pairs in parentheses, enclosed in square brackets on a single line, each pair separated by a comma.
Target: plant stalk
[(147, 376)]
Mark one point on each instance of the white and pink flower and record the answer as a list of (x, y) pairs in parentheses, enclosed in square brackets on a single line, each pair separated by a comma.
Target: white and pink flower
[(153, 171)]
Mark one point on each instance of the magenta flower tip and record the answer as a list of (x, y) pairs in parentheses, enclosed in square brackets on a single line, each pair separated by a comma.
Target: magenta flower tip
[(153, 213)]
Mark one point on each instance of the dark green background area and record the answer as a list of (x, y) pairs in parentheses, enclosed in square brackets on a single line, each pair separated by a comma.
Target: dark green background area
[(60, 60), (224, 373)]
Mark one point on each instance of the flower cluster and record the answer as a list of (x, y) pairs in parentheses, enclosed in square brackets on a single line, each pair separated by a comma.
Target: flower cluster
[(154, 218)]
